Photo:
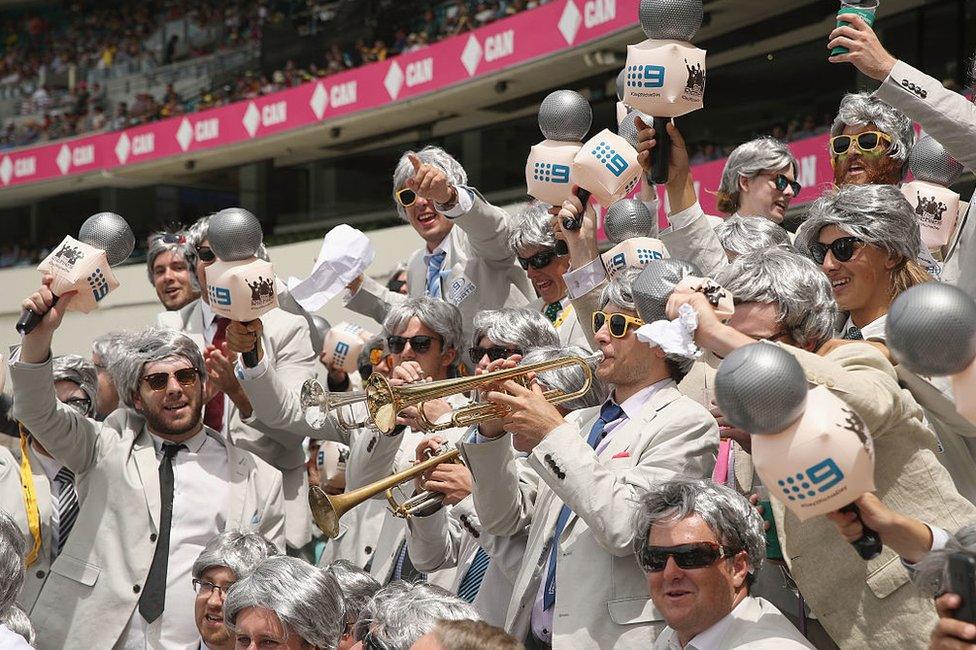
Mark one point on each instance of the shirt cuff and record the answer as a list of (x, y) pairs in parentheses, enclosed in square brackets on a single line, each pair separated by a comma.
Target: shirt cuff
[(681, 219), (465, 199), (940, 539), (585, 279), (474, 437), (243, 372)]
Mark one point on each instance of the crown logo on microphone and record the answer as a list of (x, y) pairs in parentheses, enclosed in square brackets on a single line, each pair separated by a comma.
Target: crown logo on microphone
[(930, 210), (695, 85), (69, 254), (262, 290)]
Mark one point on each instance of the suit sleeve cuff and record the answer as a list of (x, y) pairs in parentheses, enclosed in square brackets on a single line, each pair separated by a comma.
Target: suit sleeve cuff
[(585, 279), (245, 373), (465, 199), (682, 219)]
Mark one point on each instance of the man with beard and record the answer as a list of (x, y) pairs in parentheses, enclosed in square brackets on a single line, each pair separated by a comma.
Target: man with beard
[(159, 486), (869, 142)]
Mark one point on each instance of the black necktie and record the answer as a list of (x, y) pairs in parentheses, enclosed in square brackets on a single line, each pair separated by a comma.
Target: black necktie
[(853, 333), (153, 597)]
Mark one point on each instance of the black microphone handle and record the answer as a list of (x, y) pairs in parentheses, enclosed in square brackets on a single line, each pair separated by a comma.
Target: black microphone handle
[(868, 545), (661, 153), (577, 223), (29, 319), (250, 358)]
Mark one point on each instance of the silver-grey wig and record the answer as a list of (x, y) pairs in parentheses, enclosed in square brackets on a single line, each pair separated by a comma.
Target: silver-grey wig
[(149, 345), (748, 160), (569, 379), (532, 229), (930, 574), (518, 327), (178, 243), (432, 156), (792, 282), (731, 517), (402, 612), (861, 109), (306, 599), (740, 235), (357, 587), (17, 622), (439, 315), (12, 549), (240, 552), (79, 371)]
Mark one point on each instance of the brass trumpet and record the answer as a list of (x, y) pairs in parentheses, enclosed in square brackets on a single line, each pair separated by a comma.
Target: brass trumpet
[(317, 402), (327, 510)]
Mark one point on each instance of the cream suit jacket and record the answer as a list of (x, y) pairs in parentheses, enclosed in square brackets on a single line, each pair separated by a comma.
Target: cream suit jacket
[(571, 331), (288, 350), (93, 586), (601, 594), (872, 604), (479, 272)]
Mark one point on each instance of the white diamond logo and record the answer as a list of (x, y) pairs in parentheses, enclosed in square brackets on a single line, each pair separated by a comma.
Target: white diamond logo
[(252, 117), (569, 23), (320, 101), (6, 169), (184, 135), (122, 148), (393, 80), (64, 159), (471, 56)]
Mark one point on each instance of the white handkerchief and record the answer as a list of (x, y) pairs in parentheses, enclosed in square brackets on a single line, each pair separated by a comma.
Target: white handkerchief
[(345, 253), (673, 336)]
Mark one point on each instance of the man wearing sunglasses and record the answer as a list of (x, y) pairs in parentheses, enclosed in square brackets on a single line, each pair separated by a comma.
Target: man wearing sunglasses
[(701, 546), (157, 481), (784, 297), (534, 242), (579, 585), (286, 346), (759, 180), (171, 264), (37, 490), (465, 260), (870, 142)]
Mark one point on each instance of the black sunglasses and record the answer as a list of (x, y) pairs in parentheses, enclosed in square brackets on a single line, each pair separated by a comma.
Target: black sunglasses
[(420, 343), (843, 249), (494, 353), (206, 254), (782, 182), (159, 380), (81, 405), (618, 323), (687, 556), (540, 260)]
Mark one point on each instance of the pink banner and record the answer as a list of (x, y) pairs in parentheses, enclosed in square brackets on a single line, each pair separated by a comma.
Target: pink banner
[(530, 35)]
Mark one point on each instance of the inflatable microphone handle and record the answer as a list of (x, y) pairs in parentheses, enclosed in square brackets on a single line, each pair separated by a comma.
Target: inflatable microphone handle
[(661, 153), (868, 545), (575, 223)]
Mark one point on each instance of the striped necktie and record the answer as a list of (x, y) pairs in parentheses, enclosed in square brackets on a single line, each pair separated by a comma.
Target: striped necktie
[(66, 511), (434, 264), (471, 582)]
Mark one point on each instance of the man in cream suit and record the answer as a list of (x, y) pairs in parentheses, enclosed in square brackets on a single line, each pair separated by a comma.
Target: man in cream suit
[(466, 260), (861, 604), (286, 342), (159, 486), (579, 585)]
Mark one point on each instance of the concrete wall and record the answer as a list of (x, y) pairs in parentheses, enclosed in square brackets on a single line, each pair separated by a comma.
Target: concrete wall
[(134, 304)]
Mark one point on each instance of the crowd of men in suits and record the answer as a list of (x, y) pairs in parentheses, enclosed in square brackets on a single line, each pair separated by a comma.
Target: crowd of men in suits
[(158, 496)]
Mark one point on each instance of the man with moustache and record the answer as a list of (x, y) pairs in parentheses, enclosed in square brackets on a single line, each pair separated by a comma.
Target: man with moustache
[(159, 485), (869, 142)]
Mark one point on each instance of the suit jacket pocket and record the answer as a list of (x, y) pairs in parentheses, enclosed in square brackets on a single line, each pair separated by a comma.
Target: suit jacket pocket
[(76, 570), (629, 611), (888, 577)]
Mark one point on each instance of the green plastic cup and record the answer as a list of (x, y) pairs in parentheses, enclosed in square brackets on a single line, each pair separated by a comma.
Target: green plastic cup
[(865, 9)]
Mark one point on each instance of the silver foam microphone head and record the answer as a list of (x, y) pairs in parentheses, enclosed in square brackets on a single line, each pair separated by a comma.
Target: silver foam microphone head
[(653, 286), (677, 20), (627, 129), (565, 115), (761, 388), (629, 218), (318, 328), (234, 234), (931, 329), (929, 161), (621, 84), (109, 232)]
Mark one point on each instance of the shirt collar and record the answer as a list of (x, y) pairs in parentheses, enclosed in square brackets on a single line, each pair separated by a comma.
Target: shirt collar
[(193, 444), (50, 466), (634, 404), (711, 639), (441, 248), (873, 331)]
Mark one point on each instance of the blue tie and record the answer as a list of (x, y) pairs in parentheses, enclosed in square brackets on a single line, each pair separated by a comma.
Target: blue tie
[(471, 582), (608, 413), (434, 263)]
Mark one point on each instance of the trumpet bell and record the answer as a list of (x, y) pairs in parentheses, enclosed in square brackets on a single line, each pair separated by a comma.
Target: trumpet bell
[(381, 403), (311, 397), (323, 512)]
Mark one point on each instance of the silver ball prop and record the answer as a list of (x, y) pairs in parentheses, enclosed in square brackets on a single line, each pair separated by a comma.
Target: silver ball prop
[(627, 129), (566, 116), (931, 329), (621, 84), (929, 161), (111, 233), (761, 388), (628, 218), (677, 20), (234, 234), (651, 289)]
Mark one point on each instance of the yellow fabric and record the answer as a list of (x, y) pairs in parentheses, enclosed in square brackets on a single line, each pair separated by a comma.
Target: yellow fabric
[(563, 316), (30, 499)]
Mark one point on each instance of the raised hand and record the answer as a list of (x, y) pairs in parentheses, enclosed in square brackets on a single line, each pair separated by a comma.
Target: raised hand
[(430, 182)]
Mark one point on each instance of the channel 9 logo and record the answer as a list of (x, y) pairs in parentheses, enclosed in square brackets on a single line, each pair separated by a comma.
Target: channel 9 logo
[(645, 76), (219, 295), (815, 480), (98, 284), (551, 173), (612, 160)]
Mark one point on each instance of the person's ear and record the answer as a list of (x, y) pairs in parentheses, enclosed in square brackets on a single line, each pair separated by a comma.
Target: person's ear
[(743, 183), (740, 569), (448, 357), (892, 261), (137, 401)]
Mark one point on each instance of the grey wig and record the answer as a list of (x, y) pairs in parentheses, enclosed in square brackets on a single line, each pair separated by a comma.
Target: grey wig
[(240, 552), (12, 549), (533, 228), (402, 612), (518, 327), (861, 109), (79, 371), (178, 243), (440, 316), (147, 346), (432, 156), (740, 235), (750, 159)]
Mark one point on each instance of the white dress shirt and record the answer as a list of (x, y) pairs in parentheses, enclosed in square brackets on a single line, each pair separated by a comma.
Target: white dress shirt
[(754, 623), (201, 494), (632, 406), (873, 331), (51, 468)]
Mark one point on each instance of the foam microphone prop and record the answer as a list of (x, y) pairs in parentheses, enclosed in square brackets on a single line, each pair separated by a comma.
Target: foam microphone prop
[(665, 75), (809, 448), (931, 330), (632, 229), (240, 286), (564, 119), (622, 108), (659, 279), (343, 344), (936, 206), (84, 264)]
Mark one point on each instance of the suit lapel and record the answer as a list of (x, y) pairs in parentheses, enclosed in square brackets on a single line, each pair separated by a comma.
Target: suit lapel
[(147, 465), (193, 324), (240, 476)]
